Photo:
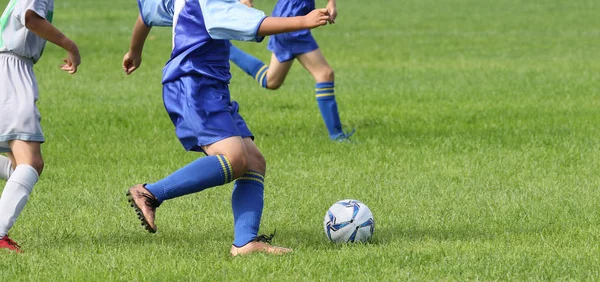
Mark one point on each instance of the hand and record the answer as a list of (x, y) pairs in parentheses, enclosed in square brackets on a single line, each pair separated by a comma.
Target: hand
[(316, 18), (247, 3), (332, 11), (72, 61), (131, 62)]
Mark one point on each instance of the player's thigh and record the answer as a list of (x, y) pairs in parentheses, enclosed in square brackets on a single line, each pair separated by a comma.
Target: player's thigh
[(256, 160), (277, 72), (316, 64), (27, 152), (234, 149)]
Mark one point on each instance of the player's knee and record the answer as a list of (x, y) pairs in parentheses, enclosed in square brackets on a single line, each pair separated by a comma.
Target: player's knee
[(38, 165), (36, 162), (257, 162), (239, 163), (325, 75), (274, 85)]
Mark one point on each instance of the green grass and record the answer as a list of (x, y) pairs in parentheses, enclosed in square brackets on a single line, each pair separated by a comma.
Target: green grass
[(476, 149)]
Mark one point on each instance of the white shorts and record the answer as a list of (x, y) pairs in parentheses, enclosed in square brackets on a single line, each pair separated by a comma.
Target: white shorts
[(19, 115)]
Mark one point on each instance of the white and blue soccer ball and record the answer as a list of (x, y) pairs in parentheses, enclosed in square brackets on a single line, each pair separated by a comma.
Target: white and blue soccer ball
[(349, 221)]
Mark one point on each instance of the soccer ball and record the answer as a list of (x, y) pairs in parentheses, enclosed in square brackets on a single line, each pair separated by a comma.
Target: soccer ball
[(349, 221)]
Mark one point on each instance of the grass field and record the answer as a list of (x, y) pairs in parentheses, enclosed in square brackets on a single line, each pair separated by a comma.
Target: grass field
[(477, 149)]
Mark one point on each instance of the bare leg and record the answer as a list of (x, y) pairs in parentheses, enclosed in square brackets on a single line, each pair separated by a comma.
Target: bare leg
[(256, 161), (277, 72), (29, 153), (314, 62), (29, 165), (269, 75), (234, 149)]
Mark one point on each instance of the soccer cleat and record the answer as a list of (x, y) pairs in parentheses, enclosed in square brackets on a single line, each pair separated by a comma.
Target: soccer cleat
[(144, 204), (260, 244), (341, 137), (7, 243)]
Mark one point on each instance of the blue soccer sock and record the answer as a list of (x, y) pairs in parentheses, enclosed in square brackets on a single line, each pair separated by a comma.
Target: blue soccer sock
[(247, 204), (325, 95), (198, 175), (249, 64)]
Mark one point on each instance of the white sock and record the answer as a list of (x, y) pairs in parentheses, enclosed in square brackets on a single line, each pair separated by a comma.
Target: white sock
[(5, 167), (15, 196)]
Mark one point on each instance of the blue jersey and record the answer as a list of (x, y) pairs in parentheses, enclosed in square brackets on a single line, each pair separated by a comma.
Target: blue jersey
[(201, 33), (293, 8)]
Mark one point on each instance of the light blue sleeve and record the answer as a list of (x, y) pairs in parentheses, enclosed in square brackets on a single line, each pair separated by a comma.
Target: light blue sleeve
[(156, 12), (230, 19)]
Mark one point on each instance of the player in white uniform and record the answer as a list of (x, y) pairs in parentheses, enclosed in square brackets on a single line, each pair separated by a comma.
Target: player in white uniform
[(25, 26)]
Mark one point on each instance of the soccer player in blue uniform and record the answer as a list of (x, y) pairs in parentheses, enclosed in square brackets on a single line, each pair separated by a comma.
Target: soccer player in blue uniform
[(302, 46), (196, 96)]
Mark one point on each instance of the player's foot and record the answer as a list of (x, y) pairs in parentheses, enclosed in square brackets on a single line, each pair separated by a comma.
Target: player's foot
[(259, 245), (7, 243), (342, 136), (144, 204)]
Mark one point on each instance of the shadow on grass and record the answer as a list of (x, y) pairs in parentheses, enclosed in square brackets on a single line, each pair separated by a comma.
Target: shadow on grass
[(128, 239), (387, 235), (299, 239), (315, 240)]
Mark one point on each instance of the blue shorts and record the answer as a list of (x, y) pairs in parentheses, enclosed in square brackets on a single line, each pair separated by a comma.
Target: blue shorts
[(287, 46), (202, 111)]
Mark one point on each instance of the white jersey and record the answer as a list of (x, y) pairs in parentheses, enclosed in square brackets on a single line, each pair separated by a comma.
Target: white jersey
[(15, 37)]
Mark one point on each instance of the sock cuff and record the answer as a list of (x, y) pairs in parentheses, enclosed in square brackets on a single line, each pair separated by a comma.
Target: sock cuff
[(261, 71), (324, 89), (253, 176), (226, 169), (261, 75), (325, 85), (25, 175)]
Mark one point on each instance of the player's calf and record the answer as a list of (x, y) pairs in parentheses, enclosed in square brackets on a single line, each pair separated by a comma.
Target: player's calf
[(14, 198)]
